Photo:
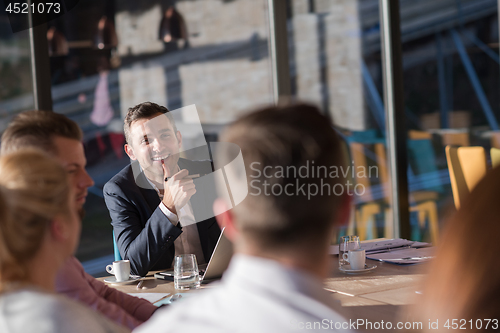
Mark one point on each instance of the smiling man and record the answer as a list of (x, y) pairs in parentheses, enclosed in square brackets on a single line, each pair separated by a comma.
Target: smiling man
[(153, 202)]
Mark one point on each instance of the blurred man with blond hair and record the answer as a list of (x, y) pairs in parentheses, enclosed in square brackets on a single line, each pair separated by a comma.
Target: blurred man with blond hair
[(62, 138)]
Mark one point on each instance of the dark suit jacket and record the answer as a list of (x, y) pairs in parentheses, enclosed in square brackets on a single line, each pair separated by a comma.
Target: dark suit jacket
[(143, 233)]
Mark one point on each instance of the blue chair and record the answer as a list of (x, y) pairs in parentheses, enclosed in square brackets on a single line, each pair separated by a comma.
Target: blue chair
[(115, 247), (370, 136), (424, 200), (422, 157)]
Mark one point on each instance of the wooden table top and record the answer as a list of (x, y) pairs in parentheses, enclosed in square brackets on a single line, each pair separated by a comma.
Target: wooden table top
[(150, 285), (387, 284), (386, 293), (381, 294)]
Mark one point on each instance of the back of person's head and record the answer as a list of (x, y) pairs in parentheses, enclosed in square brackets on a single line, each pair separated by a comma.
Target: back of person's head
[(293, 160), (145, 110), (464, 278), (37, 129), (36, 189)]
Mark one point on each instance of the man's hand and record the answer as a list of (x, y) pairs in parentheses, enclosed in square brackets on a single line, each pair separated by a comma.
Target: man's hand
[(177, 190)]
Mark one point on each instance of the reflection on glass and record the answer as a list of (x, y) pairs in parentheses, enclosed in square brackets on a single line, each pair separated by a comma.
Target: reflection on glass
[(336, 64), (121, 53), (451, 77), (16, 90)]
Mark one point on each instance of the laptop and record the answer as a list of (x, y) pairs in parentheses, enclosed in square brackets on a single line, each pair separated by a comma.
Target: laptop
[(216, 266)]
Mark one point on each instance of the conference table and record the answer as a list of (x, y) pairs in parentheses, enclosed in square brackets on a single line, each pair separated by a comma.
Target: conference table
[(384, 293)]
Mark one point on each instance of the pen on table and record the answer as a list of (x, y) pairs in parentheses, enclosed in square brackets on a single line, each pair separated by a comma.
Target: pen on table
[(139, 285)]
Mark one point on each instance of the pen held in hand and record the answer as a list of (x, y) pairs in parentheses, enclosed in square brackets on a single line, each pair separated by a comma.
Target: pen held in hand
[(192, 176), (197, 175), (187, 177)]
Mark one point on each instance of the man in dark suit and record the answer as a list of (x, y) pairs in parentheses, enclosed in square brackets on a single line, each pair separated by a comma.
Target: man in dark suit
[(153, 203)]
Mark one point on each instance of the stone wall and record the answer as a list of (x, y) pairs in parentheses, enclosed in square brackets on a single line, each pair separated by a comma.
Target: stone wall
[(215, 21), (224, 76), (138, 31), (344, 65), (326, 51), (329, 40), (306, 54)]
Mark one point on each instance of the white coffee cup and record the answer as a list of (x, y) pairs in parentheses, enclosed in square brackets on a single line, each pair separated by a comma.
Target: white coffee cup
[(120, 269), (356, 258)]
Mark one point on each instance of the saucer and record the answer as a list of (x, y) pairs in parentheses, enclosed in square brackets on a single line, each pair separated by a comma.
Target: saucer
[(131, 279), (347, 269)]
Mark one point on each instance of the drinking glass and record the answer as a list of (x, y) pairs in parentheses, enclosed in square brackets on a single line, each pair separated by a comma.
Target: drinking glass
[(347, 243), (186, 275)]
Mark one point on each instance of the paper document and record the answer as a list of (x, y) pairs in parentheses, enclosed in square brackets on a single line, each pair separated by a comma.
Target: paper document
[(383, 245), (151, 297), (404, 256)]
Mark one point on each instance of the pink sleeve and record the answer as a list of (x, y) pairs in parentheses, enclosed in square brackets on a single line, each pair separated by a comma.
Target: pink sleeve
[(123, 309)]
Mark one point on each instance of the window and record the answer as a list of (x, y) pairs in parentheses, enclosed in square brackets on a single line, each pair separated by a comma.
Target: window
[(107, 56), (16, 90), (335, 63), (451, 82)]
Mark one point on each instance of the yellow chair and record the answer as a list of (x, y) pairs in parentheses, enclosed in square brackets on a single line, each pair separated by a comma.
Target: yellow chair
[(364, 213), (422, 202), (467, 165), (495, 157)]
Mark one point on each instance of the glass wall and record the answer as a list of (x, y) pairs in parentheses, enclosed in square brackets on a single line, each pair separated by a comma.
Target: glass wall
[(451, 83), (16, 90), (107, 56), (335, 63)]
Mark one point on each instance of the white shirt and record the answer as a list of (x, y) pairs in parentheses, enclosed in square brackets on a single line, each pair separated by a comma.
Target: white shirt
[(189, 240), (255, 295), (32, 310)]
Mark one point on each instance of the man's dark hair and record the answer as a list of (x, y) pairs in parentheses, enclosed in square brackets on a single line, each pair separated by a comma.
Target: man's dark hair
[(288, 137), (37, 129), (144, 110)]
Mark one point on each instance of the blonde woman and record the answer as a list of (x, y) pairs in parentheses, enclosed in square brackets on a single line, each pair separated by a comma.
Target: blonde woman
[(39, 230), (462, 290)]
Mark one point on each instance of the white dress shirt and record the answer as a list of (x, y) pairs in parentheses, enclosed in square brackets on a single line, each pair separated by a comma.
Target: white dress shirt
[(33, 310), (189, 240), (255, 295)]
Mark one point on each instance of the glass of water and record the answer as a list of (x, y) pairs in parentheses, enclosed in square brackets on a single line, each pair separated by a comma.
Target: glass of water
[(186, 275)]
